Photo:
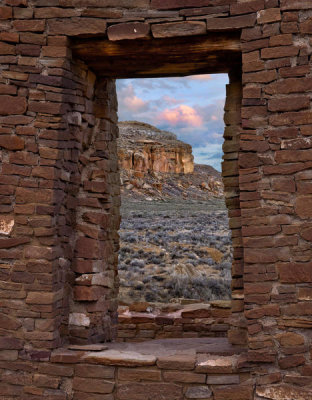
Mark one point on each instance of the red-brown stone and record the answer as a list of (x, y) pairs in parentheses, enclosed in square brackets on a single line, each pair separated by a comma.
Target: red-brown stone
[(131, 30), (12, 104)]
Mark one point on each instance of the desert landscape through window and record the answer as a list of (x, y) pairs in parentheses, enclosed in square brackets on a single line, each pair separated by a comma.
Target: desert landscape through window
[(175, 241)]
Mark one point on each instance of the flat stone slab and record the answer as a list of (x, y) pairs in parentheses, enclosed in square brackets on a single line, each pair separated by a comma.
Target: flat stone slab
[(210, 354), (167, 347), (88, 347), (122, 358), (208, 363)]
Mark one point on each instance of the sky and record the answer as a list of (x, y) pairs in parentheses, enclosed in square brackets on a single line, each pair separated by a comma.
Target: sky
[(191, 107)]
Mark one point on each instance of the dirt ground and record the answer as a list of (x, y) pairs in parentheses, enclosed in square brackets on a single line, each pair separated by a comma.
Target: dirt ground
[(174, 249)]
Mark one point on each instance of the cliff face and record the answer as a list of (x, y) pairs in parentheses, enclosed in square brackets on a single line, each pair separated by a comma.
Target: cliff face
[(142, 148), (155, 165)]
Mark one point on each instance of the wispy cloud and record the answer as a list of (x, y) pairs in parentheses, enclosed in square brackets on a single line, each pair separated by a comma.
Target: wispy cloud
[(129, 101), (181, 116), (191, 107), (205, 77)]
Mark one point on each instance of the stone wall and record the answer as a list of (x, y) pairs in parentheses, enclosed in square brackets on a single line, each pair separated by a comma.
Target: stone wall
[(59, 181), (146, 321), (193, 369)]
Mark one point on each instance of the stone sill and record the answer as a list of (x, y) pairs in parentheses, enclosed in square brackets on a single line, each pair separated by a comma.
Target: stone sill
[(214, 355)]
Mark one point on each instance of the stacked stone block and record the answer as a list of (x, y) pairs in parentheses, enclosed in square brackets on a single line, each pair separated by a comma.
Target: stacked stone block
[(129, 375), (193, 321)]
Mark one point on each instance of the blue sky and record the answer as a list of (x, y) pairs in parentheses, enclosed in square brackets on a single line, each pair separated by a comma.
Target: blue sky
[(191, 107)]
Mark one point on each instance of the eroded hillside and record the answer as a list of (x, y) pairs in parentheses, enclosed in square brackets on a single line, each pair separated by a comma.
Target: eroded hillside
[(155, 165), (175, 241)]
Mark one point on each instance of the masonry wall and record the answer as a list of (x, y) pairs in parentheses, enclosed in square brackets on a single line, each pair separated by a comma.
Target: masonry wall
[(59, 180), (140, 322)]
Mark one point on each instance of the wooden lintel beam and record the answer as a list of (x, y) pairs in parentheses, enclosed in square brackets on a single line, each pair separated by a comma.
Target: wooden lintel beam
[(160, 57)]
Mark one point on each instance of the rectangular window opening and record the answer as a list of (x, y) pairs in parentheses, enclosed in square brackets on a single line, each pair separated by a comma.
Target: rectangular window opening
[(176, 253)]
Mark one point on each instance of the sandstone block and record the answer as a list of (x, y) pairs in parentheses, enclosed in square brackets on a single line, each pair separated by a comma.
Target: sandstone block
[(8, 355), (39, 252), (88, 293), (12, 105), (269, 15), (44, 297), (295, 4), (94, 371), (55, 12), (247, 7), (51, 382), (92, 396), (177, 361), (79, 319), (279, 52), (283, 392), (11, 142), (298, 309), (10, 343), (131, 30), (120, 358), (306, 234), (77, 26), (237, 22), (265, 255), (144, 391), (9, 323), (95, 187), (183, 28), (291, 361), (29, 26), (184, 376), (88, 385), (87, 248), (214, 364), (6, 49), (285, 40), (47, 107), (293, 103), (172, 4), (290, 339), (260, 77), (55, 51), (198, 392), (233, 392), (58, 370), (139, 374), (222, 379), (303, 206), (5, 12)]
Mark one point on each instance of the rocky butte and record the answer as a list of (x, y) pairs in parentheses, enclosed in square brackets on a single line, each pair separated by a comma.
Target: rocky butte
[(143, 148), (155, 163)]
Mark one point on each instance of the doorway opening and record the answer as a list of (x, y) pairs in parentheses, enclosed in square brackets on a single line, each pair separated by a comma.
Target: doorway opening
[(216, 53)]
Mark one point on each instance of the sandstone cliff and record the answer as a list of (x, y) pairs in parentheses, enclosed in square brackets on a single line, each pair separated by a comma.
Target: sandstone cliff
[(143, 148), (155, 164)]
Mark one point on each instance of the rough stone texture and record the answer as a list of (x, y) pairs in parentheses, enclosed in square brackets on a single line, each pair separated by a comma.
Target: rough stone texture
[(59, 162), (173, 322), (143, 148)]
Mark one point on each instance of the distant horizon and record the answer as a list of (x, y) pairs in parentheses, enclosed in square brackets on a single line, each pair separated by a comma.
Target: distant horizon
[(190, 107)]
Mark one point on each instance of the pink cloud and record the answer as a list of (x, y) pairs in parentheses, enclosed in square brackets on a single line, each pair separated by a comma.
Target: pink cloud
[(130, 102), (204, 77), (171, 100), (134, 103), (182, 114)]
